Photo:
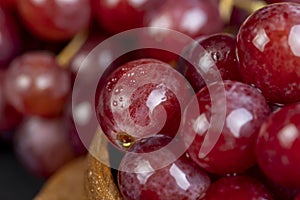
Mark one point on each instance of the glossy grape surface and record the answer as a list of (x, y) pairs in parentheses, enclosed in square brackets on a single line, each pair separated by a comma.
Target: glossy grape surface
[(278, 146), (139, 99), (181, 180), (237, 188), (35, 84), (268, 50), (55, 20), (246, 109), (217, 49)]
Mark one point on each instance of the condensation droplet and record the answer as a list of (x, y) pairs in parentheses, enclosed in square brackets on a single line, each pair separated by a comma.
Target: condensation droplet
[(125, 139), (115, 103), (118, 90)]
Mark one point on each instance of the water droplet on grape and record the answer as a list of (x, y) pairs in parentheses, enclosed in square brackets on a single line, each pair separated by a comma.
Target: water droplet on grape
[(125, 140), (115, 103)]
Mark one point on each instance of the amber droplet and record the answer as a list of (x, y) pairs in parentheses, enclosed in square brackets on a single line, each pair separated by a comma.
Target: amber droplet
[(125, 140)]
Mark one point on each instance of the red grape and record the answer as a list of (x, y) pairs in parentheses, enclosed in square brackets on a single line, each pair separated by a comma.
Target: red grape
[(246, 109), (138, 177), (278, 146), (35, 84), (237, 188), (121, 15), (139, 99), (218, 49), (269, 53), (191, 17), (42, 145), (55, 20)]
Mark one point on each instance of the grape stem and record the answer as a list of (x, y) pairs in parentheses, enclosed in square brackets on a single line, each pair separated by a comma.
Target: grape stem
[(225, 8), (64, 57), (249, 5)]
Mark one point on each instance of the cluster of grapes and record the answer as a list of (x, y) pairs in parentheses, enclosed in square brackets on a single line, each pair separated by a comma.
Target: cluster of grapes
[(144, 103), (41, 47), (260, 68)]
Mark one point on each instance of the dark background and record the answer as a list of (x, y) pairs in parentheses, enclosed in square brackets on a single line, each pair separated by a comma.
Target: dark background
[(15, 182)]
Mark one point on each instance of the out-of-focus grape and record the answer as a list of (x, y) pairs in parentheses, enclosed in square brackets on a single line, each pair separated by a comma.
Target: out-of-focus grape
[(42, 145)]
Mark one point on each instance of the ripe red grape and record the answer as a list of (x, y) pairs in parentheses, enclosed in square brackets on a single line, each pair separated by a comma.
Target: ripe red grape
[(55, 20), (237, 188), (191, 17), (117, 16), (35, 84), (278, 146), (139, 99), (138, 177), (246, 109), (269, 54), (42, 145), (218, 49)]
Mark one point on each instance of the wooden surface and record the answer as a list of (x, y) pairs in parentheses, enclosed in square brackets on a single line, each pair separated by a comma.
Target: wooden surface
[(66, 184), (84, 178)]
